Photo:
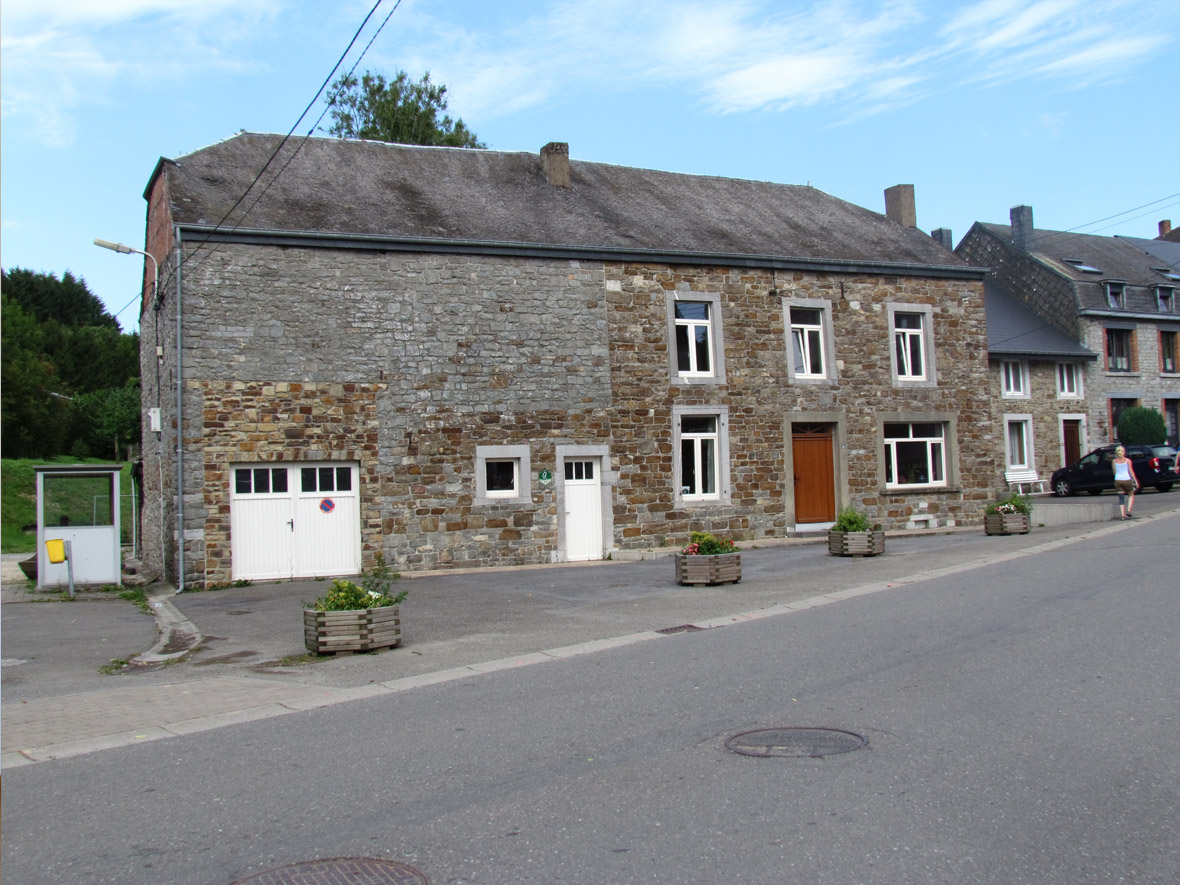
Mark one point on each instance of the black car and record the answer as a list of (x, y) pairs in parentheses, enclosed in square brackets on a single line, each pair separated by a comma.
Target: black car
[(1094, 473)]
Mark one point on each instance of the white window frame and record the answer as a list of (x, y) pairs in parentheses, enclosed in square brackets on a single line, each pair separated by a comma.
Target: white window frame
[(1014, 380), (720, 437), (1027, 458), (716, 373), (1075, 389), (923, 337), (521, 460), (937, 454), (824, 337)]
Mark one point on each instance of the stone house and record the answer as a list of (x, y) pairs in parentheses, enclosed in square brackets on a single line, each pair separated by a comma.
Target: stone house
[(1037, 387), (1105, 293), (462, 358)]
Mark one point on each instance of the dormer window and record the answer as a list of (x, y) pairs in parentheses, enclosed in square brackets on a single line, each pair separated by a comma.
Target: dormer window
[(1116, 295), (1165, 299)]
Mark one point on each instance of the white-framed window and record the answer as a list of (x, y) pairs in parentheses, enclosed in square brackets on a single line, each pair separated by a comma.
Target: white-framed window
[(502, 474), (912, 351), (1069, 381), (915, 454), (1116, 295), (1014, 379), (1168, 352), (810, 343), (1018, 449), (701, 459), (1165, 299), (696, 348)]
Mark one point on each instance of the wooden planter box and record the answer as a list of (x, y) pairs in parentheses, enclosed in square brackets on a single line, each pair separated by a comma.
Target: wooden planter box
[(363, 629), (1006, 524), (856, 543), (720, 568)]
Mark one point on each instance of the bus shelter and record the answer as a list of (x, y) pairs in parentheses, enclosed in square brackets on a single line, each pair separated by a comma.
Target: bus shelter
[(78, 505)]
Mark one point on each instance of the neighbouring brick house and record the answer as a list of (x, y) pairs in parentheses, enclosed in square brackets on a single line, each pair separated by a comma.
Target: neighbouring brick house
[(1113, 298), (465, 357), (1037, 386)]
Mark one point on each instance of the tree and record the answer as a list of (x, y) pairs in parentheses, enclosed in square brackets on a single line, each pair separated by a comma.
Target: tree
[(68, 300), (399, 111), (1140, 426)]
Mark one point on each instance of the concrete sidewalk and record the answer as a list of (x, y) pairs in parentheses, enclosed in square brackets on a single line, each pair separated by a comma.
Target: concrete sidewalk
[(252, 664)]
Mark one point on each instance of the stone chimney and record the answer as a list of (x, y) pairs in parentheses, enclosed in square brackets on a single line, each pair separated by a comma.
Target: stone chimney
[(1165, 227), (899, 205), (944, 238), (555, 160), (1022, 227)]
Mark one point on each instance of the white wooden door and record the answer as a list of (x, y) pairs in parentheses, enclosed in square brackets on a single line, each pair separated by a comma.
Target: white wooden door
[(583, 509), (294, 521)]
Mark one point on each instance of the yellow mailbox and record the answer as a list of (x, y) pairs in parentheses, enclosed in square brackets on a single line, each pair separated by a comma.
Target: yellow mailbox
[(56, 550)]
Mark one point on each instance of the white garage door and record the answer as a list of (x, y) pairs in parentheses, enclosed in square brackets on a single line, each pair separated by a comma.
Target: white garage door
[(295, 521)]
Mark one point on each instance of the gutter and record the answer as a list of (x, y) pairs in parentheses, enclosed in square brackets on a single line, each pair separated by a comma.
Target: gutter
[(179, 422), (373, 242)]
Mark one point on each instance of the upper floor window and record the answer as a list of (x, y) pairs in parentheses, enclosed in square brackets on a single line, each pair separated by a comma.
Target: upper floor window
[(1118, 350), (912, 354), (694, 328), (1116, 295), (1165, 299), (1014, 375), (1069, 380), (1168, 352), (810, 355)]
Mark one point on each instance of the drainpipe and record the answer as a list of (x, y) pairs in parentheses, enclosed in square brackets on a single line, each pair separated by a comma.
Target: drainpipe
[(179, 426)]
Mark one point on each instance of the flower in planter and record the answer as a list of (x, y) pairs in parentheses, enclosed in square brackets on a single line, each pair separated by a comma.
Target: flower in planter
[(1011, 504), (852, 519), (706, 544), (375, 591)]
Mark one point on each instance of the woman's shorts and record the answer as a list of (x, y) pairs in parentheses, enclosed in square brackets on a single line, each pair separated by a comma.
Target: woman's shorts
[(1124, 486)]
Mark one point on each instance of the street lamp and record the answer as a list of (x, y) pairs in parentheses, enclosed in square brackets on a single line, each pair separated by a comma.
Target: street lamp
[(127, 250)]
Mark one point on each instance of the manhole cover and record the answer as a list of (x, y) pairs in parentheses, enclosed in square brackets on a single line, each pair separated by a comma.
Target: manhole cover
[(351, 870), (796, 741)]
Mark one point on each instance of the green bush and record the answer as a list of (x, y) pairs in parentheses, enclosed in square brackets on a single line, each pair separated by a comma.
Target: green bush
[(706, 544), (1142, 427), (852, 519), (1012, 504), (375, 591)]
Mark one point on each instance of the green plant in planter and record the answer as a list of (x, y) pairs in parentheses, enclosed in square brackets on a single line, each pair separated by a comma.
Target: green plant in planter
[(375, 591), (1012, 504), (706, 544), (853, 519)]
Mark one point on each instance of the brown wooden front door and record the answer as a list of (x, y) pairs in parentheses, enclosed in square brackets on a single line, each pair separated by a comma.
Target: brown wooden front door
[(815, 481), (1071, 433)]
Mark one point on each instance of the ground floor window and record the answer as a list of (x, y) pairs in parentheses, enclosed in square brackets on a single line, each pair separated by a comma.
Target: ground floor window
[(502, 474), (915, 454), (702, 471), (1019, 442)]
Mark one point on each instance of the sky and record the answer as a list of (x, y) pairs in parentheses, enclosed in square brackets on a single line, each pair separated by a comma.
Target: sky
[(982, 105)]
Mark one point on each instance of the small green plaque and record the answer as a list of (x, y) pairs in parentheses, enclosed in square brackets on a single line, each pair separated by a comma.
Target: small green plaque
[(545, 476)]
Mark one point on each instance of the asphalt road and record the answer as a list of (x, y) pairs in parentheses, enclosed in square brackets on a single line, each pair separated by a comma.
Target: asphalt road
[(1021, 722)]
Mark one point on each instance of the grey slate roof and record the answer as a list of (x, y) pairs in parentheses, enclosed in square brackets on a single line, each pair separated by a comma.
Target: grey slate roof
[(371, 189), (1014, 330), (1115, 260), (1166, 251)]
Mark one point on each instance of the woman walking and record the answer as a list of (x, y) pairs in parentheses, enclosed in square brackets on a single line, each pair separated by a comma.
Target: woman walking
[(1125, 482)]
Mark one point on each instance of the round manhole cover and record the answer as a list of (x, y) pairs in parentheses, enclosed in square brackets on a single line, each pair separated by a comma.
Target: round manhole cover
[(353, 870), (796, 741)]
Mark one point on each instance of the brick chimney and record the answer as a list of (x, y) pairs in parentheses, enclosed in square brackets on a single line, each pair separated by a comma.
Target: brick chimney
[(555, 160), (899, 205), (944, 238), (1022, 227), (1165, 227)]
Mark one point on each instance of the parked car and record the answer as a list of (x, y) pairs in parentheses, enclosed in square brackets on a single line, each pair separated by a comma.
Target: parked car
[(1154, 468)]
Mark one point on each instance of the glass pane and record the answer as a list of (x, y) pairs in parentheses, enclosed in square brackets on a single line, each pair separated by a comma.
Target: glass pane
[(344, 479), (936, 473), (683, 355), (911, 463), (907, 320), (916, 363), (327, 479), (307, 479), (692, 310), (698, 424), (242, 481), (797, 348), (816, 351), (77, 500), (569, 469), (708, 467), (278, 479), (688, 467), (501, 476), (807, 316), (889, 464), (262, 480), (929, 431), (897, 431), (704, 356), (589, 469)]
